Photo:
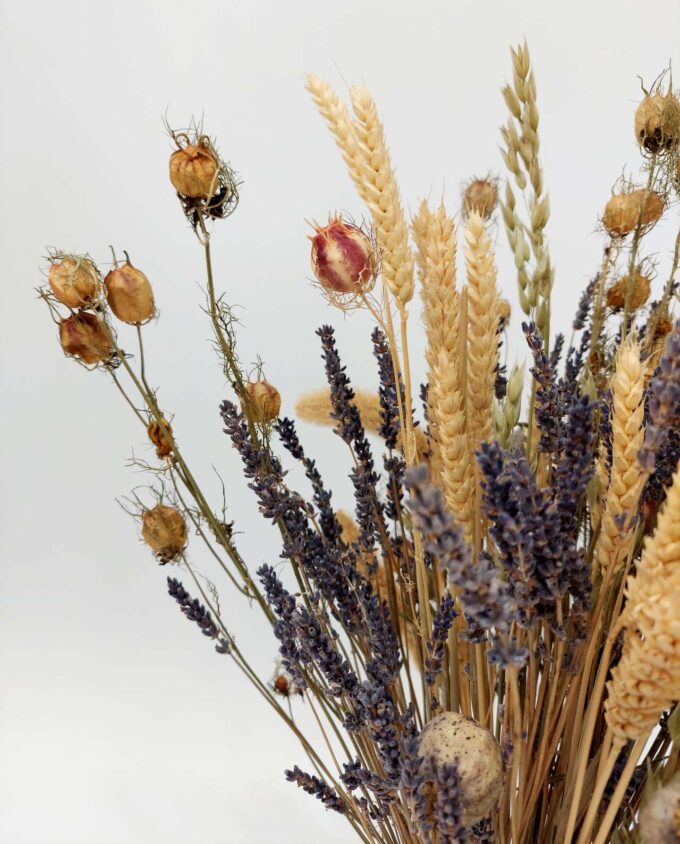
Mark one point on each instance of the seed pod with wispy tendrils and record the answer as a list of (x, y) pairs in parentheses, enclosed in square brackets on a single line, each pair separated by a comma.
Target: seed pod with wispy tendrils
[(636, 287), (84, 336), (624, 210), (193, 171), (657, 122), (206, 185), (165, 532), (481, 195), (343, 257), (265, 401), (74, 281)]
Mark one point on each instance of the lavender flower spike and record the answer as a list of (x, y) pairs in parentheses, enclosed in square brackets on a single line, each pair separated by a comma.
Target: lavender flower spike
[(317, 787), (194, 610), (485, 597), (663, 401)]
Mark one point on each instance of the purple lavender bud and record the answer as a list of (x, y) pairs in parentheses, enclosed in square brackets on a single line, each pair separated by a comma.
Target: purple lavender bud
[(318, 788), (663, 401), (447, 805), (194, 610), (441, 624)]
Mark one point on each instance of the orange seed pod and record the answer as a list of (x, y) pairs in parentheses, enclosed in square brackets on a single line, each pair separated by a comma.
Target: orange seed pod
[(623, 210), (657, 122), (160, 437), (129, 294), (74, 281), (164, 531), (193, 171), (481, 195), (84, 336), (639, 292), (265, 401)]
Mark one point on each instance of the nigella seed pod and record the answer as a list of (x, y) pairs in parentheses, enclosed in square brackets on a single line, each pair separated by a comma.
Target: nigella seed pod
[(657, 122), (84, 336), (343, 258), (194, 171), (165, 532), (265, 401), (623, 211), (451, 737), (74, 281), (129, 294), (663, 327), (639, 292), (161, 437), (481, 195)]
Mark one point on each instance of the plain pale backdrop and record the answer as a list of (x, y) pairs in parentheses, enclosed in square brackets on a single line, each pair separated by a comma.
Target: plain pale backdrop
[(118, 724)]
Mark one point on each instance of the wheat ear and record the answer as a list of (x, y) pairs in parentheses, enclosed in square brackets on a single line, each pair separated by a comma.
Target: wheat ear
[(435, 239), (647, 679), (617, 534), (381, 194), (338, 120), (482, 330), (448, 408)]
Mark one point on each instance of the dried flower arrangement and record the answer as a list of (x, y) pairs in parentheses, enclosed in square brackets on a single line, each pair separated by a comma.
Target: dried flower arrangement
[(490, 644)]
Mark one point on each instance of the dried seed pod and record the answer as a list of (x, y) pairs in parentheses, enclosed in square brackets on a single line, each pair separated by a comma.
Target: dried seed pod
[(343, 258), (450, 737), (84, 336), (639, 293), (660, 816), (504, 310), (481, 195), (623, 211), (663, 326), (265, 401), (161, 437), (165, 532), (74, 281), (194, 171), (657, 122), (129, 294)]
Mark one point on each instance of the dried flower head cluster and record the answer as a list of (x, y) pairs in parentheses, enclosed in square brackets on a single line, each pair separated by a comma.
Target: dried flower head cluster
[(489, 642), (206, 186)]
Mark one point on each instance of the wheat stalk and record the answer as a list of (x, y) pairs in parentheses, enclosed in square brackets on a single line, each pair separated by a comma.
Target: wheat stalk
[(448, 407), (381, 194), (435, 238), (482, 330), (617, 534), (647, 679), (338, 120)]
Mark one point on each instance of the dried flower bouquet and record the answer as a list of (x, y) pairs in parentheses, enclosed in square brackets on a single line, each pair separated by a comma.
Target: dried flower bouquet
[(490, 643)]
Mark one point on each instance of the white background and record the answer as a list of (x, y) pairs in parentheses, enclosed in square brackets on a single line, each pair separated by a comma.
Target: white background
[(117, 721)]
